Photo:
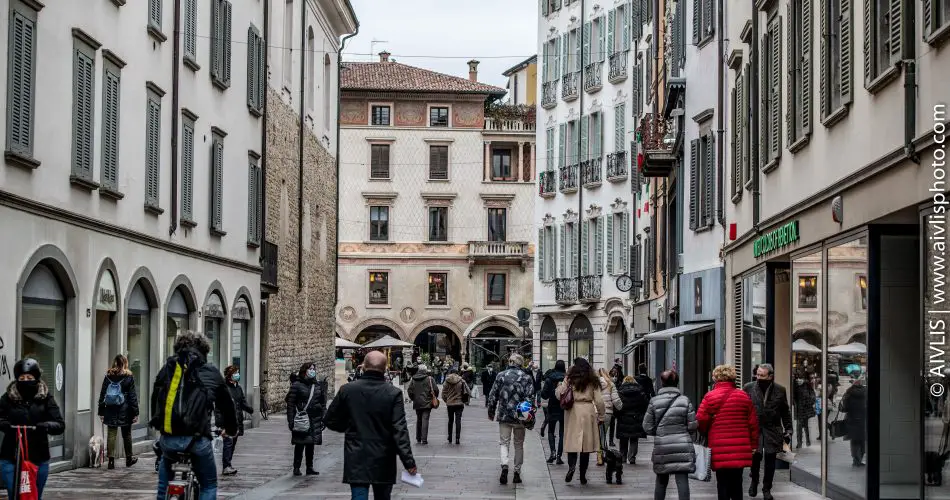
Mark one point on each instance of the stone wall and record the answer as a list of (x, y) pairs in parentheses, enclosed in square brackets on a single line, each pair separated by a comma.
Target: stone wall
[(300, 318)]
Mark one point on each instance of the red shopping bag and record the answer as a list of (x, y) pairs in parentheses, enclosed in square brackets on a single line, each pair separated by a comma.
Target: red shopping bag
[(28, 470)]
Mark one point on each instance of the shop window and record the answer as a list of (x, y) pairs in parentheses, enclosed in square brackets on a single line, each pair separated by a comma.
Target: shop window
[(239, 331), (497, 289), (438, 283), (176, 320), (862, 292), (214, 315), (137, 341), (807, 291), (809, 397), (379, 288)]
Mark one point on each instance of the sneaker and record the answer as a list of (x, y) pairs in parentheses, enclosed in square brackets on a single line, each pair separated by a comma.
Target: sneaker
[(559, 461), (129, 462), (229, 471), (504, 475), (517, 478), (297, 472), (551, 459), (767, 495), (311, 472)]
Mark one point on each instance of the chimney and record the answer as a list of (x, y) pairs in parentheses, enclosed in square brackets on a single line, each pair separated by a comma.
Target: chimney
[(384, 56), (473, 70)]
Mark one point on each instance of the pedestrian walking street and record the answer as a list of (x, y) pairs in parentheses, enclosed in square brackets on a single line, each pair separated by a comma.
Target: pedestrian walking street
[(469, 470)]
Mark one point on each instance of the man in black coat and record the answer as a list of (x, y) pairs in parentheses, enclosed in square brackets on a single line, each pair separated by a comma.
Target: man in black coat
[(371, 414), (488, 380), (775, 425)]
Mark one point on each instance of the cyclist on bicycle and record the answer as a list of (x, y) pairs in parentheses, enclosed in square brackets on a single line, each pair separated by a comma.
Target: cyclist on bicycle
[(187, 389)]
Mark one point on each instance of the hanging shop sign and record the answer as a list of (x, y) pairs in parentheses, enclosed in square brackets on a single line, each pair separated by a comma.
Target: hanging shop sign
[(775, 239), (580, 329), (548, 331), (105, 298), (213, 307)]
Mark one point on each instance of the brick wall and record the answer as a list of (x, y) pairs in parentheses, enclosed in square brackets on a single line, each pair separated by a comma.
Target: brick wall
[(300, 319)]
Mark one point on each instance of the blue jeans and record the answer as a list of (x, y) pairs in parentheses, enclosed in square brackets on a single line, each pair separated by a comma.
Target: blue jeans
[(202, 462), (8, 472), (380, 491)]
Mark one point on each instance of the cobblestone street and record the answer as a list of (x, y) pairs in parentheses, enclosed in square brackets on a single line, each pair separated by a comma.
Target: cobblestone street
[(469, 470)]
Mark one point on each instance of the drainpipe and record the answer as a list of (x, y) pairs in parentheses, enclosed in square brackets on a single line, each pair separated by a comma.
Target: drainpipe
[(754, 125), (264, 132), (176, 68), (300, 136), (720, 144), (339, 73), (580, 176), (910, 87)]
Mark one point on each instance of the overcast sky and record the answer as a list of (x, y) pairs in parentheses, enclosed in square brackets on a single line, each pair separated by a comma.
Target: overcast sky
[(452, 30)]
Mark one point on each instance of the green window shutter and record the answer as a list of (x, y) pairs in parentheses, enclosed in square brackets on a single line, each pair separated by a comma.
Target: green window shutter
[(585, 248), (746, 110), (153, 133), (565, 54), (545, 64), (214, 71), (254, 203), (636, 98), (226, 43), (540, 250), (551, 272), (601, 47), (587, 46), (824, 62), (599, 247), (544, 7), (611, 18), (155, 13), (575, 229), (83, 85), (191, 27), (624, 240), (261, 74), (693, 182), (610, 243), (792, 69), (708, 17), (562, 144), (736, 141), (579, 48), (585, 140), (708, 181), (21, 76), (188, 171), (251, 68), (846, 56), (895, 30), (217, 175), (806, 67), (764, 97), (775, 84), (632, 24), (635, 265), (697, 22), (595, 135), (110, 130), (619, 133), (927, 18), (564, 242), (869, 35)]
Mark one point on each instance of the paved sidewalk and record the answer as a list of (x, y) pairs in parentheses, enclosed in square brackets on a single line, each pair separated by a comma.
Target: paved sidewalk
[(466, 471)]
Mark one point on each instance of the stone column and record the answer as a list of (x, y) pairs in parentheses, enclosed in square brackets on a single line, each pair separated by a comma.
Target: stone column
[(520, 174), (533, 158), (487, 161)]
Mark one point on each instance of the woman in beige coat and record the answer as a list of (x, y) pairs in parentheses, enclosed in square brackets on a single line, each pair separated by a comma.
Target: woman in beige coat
[(581, 430)]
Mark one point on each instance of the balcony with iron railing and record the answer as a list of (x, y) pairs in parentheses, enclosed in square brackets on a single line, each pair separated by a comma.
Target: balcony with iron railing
[(568, 179), (549, 94), (590, 288), (617, 71), (565, 291), (593, 77), (617, 166), (569, 83), (547, 184), (656, 142), (269, 266), (592, 172), (512, 125)]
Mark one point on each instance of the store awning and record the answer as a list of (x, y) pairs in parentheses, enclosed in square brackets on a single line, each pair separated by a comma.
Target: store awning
[(346, 344), (669, 334)]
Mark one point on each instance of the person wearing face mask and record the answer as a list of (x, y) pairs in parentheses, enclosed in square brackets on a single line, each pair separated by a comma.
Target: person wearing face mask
[(306, 395), (28, 402), (232, 376), (775, 425)]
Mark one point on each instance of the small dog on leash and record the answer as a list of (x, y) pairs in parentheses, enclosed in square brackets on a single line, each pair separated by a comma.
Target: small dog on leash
[(614, 461), (96, 449)]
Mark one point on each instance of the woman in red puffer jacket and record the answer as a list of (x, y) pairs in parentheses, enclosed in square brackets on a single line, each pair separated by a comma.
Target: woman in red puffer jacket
[(727, 416)]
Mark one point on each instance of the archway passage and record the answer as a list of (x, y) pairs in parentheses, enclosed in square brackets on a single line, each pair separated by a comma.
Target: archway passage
[(438, 342), (375, 332), (493, 346)]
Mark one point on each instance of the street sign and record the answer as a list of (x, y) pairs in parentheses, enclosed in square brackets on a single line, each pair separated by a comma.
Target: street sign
[(524, 314)]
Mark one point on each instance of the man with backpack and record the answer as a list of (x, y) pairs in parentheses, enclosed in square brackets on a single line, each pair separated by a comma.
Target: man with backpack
[(186, 390)]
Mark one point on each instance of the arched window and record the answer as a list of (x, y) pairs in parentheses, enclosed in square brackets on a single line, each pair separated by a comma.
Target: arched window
[(327, 91), (214, 315), (311, 57), (240, 324), (138, 329)]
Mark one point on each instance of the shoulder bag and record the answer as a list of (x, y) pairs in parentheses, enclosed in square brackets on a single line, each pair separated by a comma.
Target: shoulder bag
[(567, 397), (302, 419), (435, 399)]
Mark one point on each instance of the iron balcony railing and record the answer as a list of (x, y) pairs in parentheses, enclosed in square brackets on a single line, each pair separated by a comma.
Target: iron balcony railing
[(590, 288), (269, 264), (653, 130), (547, 182), (593, 77), (617, 166), (549, 94), (618, 67), (592, 172), (565, 290), (569, 86), (568, 179)]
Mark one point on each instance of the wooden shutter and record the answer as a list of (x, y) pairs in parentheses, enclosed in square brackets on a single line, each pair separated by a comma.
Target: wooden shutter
[(601, 48), (895, 30), (746, 110), (546, 63), (564, 243), (824, 62), (217, 175), (544, 7), (765, 116), (697, 22), (806, 67), (624, 240), (927, 18), (709, 177), (21, 81), (152, 151), (708, 16), (110, 130), (583, 37), (155, 12), (226, 43), (551, 272), (648, 83), (737, 332), (620, 117), (596, 135), (540, 249), (632, 24), (82, 114), (847, 58), (251, 68), (187, 172), (259, 203), (439, 162), (737, 139), (869, 36), (635, 98), (775, 85), (610, 243), (216, 11), (565, 54), (191, 27), (585, 247), (252, 189), (693, 183), (611, 17), (585, 128), (792, 70), (634, 271), (575, 237), (562, 144), (599, 247), (588, 45)]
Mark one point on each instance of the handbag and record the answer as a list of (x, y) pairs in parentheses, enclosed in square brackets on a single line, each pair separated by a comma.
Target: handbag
[(703, 454), (567, 397), (302, 419), (28, 470), (435, 399)]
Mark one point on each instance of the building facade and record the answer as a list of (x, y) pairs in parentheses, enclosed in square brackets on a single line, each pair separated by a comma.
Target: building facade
[(836, 223), (301, 185), (123, 224), (435, 243), (523, 82), (583, 210)]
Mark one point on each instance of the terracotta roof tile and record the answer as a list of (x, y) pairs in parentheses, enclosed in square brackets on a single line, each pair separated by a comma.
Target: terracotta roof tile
[(398, 77)]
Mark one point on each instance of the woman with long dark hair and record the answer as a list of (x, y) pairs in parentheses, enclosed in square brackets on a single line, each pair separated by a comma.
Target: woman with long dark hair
[(119, 407), (306, 397), (582, 419), (232, 375)]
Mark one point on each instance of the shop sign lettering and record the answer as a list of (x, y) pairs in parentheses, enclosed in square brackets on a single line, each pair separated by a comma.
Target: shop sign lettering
[(213, 311), (241, 312), (775, 239)]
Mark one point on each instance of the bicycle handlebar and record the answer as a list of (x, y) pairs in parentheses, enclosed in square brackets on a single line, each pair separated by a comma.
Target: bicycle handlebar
[(29, 427)]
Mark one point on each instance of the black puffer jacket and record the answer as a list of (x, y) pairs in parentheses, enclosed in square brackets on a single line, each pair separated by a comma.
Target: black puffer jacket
[(551, 380), (240, 407), (372, 415), (41, 412), (296, 401), (212, 382), (804, 400), (124, 414), (630, 416)]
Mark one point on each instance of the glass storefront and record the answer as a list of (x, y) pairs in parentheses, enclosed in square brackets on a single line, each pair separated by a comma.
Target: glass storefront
[(43, 334), (239, 330), (176, 320), (138, 325), (214, 316), (580, 338), (548, 337), (753, 318)]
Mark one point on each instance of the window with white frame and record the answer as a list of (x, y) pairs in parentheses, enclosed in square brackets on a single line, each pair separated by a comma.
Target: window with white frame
[(438, 223), (380, 115), (378, 288), (379, 161), (438, 162), (379, 223)]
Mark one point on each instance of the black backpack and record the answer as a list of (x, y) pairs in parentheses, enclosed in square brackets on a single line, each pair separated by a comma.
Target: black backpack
[(189, 401)]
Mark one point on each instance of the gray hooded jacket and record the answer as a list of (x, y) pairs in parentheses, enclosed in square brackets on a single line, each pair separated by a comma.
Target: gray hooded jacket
[(671, 418)]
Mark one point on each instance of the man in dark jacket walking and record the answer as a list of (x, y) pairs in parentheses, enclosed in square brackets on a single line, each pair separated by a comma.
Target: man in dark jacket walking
[(488, 380), (512, 387), (372, 415), (645, 381), (775, 425), (554, 417)]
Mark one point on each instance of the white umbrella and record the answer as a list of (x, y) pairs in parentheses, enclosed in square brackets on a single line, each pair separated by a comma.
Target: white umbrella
[(851, 348), (346, 344), (802, 345), (387, 342)]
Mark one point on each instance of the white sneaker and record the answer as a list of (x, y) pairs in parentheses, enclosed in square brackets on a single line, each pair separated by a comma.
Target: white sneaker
[(229, 471)]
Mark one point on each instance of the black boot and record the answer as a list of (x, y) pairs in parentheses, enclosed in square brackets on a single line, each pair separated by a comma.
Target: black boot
[(753, 489), (517, 478), (311, 472), (560, 461), (570, 475), (767, 495), (504, 475), (129, 462), (111, 463), (551, 459)]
